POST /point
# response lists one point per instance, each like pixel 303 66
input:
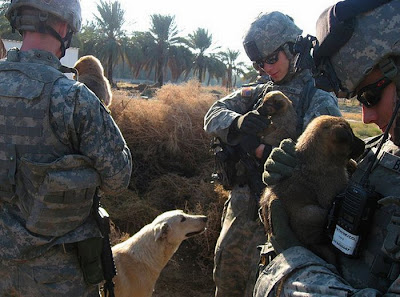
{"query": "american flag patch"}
pixel 246 92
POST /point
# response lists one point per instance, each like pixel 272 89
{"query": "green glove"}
pixel 282 236
pixel 280 163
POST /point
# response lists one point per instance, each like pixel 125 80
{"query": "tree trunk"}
pixel 110 69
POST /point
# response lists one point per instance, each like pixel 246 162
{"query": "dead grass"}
pixel 172 164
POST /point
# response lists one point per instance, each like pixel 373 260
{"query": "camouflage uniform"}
pixel 40 264
pixel 236 254
pixel 373 43
pixel 298 271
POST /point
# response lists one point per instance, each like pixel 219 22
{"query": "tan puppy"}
pixel 140 259
pixel 323 151
pixel 91 73
pixel 279 109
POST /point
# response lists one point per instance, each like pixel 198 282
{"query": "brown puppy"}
pixel 283 117
pixel 323 151
pixel 91 73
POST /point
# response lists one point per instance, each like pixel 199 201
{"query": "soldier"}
pixel 269 43
pixel 58 145
pixel 360 51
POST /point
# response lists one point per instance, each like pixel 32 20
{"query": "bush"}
pixel 172 162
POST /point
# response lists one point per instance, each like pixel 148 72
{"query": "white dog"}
pixel 140 259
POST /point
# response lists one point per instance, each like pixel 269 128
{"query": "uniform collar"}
pixel 34 56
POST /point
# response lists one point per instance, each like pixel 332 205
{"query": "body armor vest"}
pixel 375 269
pixel 52 187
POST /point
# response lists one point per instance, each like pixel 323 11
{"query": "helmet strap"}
pixel 63 41
pixel 288 50
pixel 388 68
pixel 396 129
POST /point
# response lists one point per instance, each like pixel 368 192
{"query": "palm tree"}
pixel 250 74
pixel 5 28
pixel 234 69
pixel 180 62
pixel 137 50
pixel 200 41
pixel 216 68
pixel 109 23
pixel 165 36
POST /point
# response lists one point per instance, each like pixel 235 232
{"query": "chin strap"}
pixel 65 42
pixel 396 130
pixel 391 71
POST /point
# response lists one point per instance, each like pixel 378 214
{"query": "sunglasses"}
pixel 371 94
pixel 270 59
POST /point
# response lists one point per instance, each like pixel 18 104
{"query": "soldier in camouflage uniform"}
pixel 269 44
pixel 58 146
pixel 366 65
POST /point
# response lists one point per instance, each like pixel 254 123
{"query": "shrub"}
pixel 172 162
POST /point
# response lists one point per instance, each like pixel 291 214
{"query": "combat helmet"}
pixel 352 45
pixel 267 33
pixel 37 13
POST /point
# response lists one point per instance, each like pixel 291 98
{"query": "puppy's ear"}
pixel 342 134
pixel 357 148
pixel 161 231
pixel 280 103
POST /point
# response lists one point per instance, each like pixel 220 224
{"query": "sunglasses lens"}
pixel 371 94
pixel 368 99
pixel 272 59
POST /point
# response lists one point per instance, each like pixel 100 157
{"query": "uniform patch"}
pixel 247 92
pixel 390 161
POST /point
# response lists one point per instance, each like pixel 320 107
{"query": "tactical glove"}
pixel 280 163
pixel 251 123
pixel 249 143
pixel 282 236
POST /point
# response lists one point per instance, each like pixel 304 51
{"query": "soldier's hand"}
pixel 252 123
pixel 280 163
pixel 282 236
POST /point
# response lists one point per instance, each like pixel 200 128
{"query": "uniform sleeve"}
pixel 223 112
pixel 322 103
pixel 93 133
pixel 299 272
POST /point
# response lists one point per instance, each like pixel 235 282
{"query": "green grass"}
pixel 362 130
pixel 351 111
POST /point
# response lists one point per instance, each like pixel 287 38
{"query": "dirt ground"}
pixel 184 278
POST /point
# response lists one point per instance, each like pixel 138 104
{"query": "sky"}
pixel 225 20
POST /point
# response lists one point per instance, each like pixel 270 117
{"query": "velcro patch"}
pixel 390 161
pixel 247 91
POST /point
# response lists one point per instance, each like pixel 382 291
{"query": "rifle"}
pixel 253 170
pixel 233 165
pixel 107 260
